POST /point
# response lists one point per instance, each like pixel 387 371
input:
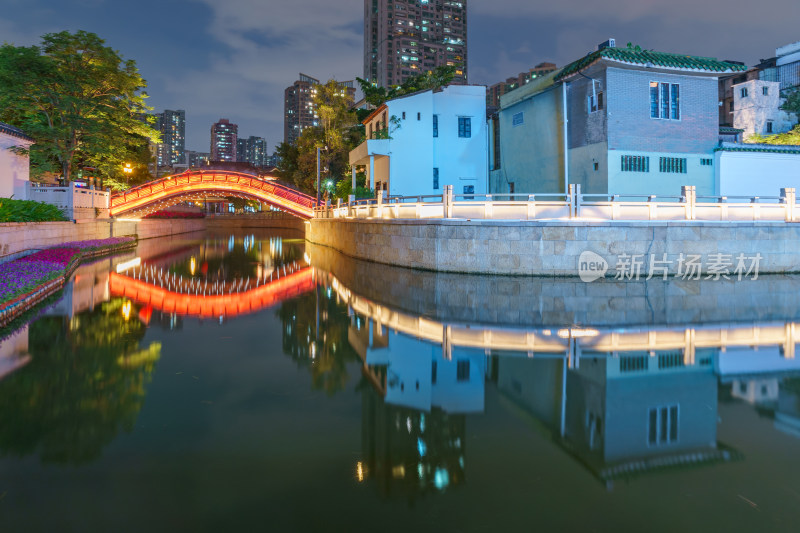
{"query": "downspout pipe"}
pixel 566 135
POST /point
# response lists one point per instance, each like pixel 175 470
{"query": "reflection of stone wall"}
pixel 255 221
pixel 534 301
pixel 552 248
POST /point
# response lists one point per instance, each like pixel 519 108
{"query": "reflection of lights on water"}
pixel 408 424
pixel 399 471
pixel 313 350
pixel 422 448
pixel 422 423
pixel 575 333
pixel 126 310
pixel 441 479
pixel 192 265
pixel 361 471
pixel 133 263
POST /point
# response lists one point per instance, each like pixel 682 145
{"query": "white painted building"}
pixel 14 167
pixel 757 109
pixel 756 169
pixel 418 143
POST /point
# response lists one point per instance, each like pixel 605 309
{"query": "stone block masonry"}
pixel 553 248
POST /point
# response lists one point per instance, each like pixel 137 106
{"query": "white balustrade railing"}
pixel 76 203
pixel 573 205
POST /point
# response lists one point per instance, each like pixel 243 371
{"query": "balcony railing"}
pixel 571 206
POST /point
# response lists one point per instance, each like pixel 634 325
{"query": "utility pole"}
pixel 318 178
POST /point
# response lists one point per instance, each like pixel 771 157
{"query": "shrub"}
pixel 28 211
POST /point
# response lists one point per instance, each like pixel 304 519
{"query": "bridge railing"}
pixel 220 181
pixel 572 205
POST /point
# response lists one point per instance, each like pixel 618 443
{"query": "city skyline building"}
pixel 224 135
pixel 299 110
pixel 172 126
pixel 252 150
pixel 404 38
pixel 494 92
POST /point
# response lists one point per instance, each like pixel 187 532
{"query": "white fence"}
pixel 572 206
pixel 77 203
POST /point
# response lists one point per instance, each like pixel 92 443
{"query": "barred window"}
pixel 436 178
pixel 662 425
pixel 674 165
pixel 635 163
pixel 707 162
pixel 518 119
pixel 464 127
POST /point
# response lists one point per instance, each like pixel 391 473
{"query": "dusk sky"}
pixel 234 58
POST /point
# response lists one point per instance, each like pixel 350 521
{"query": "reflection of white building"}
pixel 621 414
pixel 14 352
pixel 419 374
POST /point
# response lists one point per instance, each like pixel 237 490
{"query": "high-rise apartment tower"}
pixel 223 141
pixel 171 150
pixel 404 38
pixel 299 110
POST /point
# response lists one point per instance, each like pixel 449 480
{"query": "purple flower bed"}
pixel 23 275
pixel 98 243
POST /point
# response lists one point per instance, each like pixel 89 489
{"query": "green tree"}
pixel 433 79
pixel 79 100
pixel 791 104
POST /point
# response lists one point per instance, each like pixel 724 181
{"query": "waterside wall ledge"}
pixel 553 248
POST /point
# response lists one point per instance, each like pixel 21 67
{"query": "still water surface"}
pixel 246 381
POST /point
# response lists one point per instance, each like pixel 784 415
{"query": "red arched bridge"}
pixel 198 184
pixel 170 294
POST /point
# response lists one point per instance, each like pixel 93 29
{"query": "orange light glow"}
pixel 211 306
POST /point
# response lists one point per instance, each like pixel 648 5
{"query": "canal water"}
pixel 247 381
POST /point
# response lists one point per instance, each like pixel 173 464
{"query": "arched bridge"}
pixel 198 184
pixel 170 294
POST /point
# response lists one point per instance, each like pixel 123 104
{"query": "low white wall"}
pixel 756 173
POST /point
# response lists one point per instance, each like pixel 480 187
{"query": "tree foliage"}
pixel 338 132
pixel 79 100
pixel 434 79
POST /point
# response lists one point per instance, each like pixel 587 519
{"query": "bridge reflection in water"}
pixel 622 401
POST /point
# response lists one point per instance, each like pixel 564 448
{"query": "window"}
pixel 518 119
pixel 404 115
pixel 596 166
pixel 635 163
pixel 593 104
pixel 743 92
pixel 469 189
pixel 731 106
pixel 435 125
pixel 765 91
pixel 435 178
pixel 433 372
pixel 633 363
pixel 706 162
pixel 496 130
pixel 769 126
pixel 662 425
pixel 464 127
pixel 665 100
pixel 462 370
pixel 419 116
pixel 674 165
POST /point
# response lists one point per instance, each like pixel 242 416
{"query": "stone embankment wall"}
pixel 553 248
pixel 517 301
pixel 254 221
pixel 19 236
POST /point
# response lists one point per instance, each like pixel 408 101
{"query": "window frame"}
pixel 669 109
pixel 465 127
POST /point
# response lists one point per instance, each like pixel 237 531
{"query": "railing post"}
pixel 447 200
pixel 71 201
pixel 380 204
pixel 530 208
pixel 689 197
pixel 351 199
pixel 487 208
pixel 571 199
pixel 338 207
pixel 788 197
pixel 577 200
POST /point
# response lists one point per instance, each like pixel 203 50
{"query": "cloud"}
pixel 262 48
